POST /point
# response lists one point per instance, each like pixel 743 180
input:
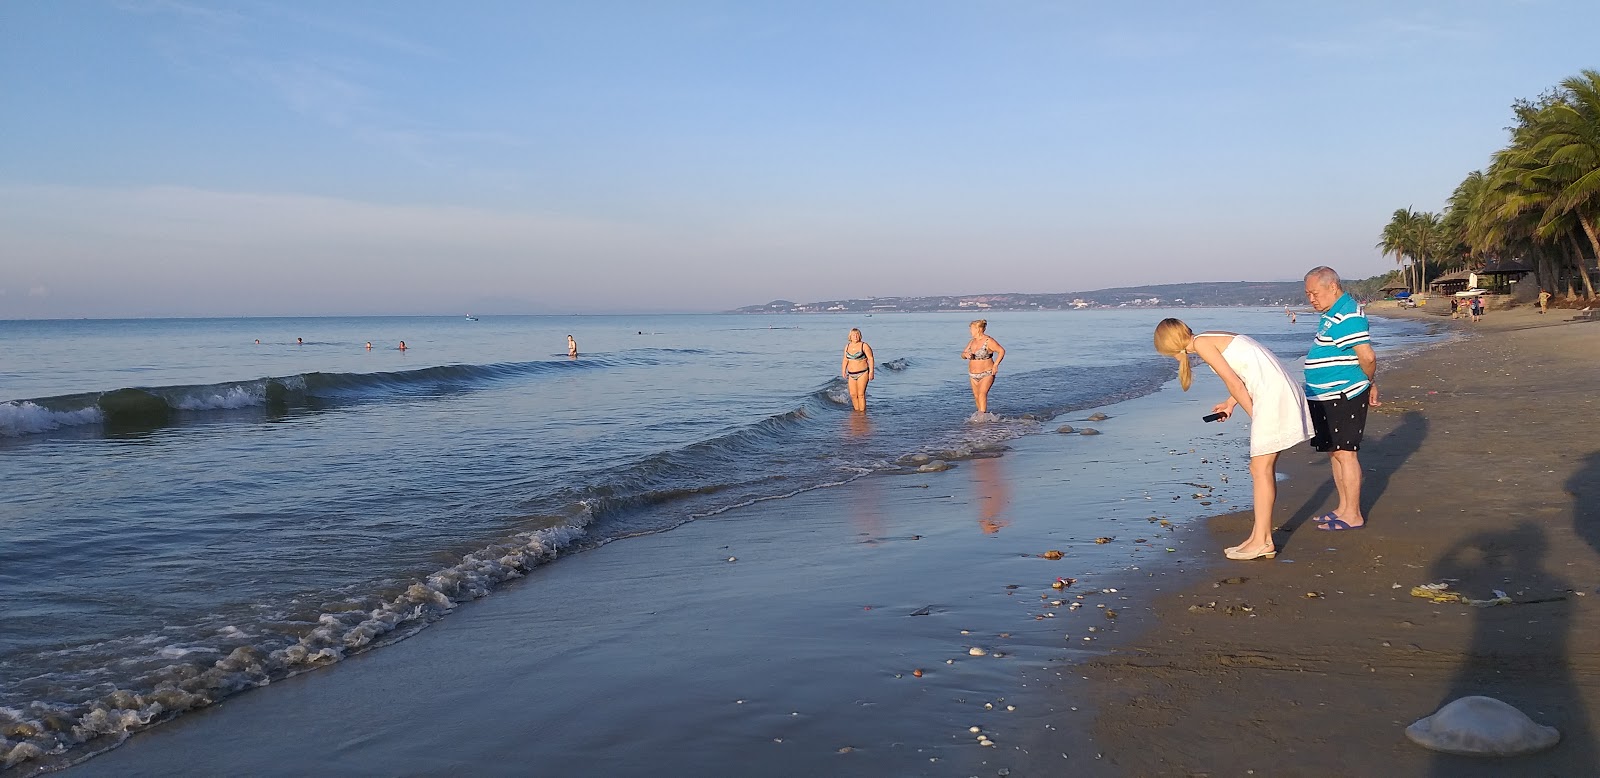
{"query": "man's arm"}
pixel 1369 365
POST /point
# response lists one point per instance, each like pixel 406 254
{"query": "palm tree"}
pixel 1392 241
pixel 1567 137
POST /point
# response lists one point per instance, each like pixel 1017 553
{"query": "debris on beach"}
pixel 1051 554
pixel 922 611
pixel 976 651
pixel 1441 593
pixel 1098 417
pixel 917 673
pixel 1238 579
pixel 1103 541
pixel 1062 583
pixel 1089 431
pixel 936 466
pixel 1481 726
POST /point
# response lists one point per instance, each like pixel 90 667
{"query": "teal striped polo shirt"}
pixel 1332 369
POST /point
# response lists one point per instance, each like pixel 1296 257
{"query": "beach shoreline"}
pixel 791 643
pixel 1479 473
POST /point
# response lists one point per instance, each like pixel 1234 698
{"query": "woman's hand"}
pixel 1225 408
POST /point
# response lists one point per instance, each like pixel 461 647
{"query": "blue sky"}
pixel 166 157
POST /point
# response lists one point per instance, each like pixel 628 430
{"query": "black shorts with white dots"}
pixel 1339 423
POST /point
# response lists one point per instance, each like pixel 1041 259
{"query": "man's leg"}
pixel 1347 479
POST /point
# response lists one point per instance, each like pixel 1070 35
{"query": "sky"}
pixel 242 158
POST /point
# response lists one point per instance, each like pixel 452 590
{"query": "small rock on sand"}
pixel 1065 429
pixel 936 466
pixel 1089 431
pixel 1098 417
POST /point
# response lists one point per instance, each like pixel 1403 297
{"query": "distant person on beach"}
pixel 1257 382
pixel 572 347
pixel 402 345
pixel 983 355
pixel 1340 372
pixel 858 368
pixel 1544 302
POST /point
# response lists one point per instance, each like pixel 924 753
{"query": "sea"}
pixel 196 507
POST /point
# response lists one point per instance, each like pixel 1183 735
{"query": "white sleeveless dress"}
pixel 1281 419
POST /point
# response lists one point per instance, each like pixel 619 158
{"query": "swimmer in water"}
pixel 983 355
pixel 857 369
pixel 402 345
pixel 299 341
pixel 572 347
pixel 258 341
pixel 369 345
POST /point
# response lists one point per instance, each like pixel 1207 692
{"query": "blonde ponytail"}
pixel 1172 339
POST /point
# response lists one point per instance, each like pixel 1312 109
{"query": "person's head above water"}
pixel 1322 288
pixel 1172 340
pixel 299 341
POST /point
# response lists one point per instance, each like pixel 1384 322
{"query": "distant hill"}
pixel 1207 295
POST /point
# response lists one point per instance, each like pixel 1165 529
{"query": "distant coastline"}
pixel 1197 295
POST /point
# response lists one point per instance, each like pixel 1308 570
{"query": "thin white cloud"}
pixel 1387 35
pixel 335 87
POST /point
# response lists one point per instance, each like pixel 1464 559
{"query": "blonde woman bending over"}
pixel 983 355
pixel 858 369
pixel 1256 381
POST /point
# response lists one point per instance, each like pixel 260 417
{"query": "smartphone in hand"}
pixel 1214 417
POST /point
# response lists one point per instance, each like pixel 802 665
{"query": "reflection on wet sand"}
pixel 994 494
pixel 865 509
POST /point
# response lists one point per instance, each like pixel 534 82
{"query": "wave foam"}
pixel 27 418
pixel 43 730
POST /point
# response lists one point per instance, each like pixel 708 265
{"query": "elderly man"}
pixel 1339 387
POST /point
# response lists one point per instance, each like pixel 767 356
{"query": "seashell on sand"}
pixel 1481 726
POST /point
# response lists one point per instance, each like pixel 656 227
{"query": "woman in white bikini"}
pixel 983 355
pixel 1257 382
pixel 857 367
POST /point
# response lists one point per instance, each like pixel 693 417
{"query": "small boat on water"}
pixel 470 317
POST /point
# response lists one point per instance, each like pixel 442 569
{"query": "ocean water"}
pixel 190 513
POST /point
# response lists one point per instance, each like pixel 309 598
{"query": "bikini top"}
pixel 855 355
pixel 982 354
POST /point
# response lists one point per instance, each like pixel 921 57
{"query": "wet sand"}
pixel 657 655
pixel 1482 469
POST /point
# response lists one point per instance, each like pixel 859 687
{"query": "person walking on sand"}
pixel 983 355
pixel 1257 382
pixel 572 348
pixel 858 368
pixel 1341 369
pixel 1544 300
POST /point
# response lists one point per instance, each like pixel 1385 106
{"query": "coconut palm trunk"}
pixel 1588 227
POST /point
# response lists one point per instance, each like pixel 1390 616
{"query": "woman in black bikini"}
pixel 983 355
pixel 857 369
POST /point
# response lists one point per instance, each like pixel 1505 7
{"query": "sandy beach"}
pixel 1481 471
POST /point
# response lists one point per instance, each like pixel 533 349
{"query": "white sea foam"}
pixel 236 396
pixel 26 418
pixel 45 729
